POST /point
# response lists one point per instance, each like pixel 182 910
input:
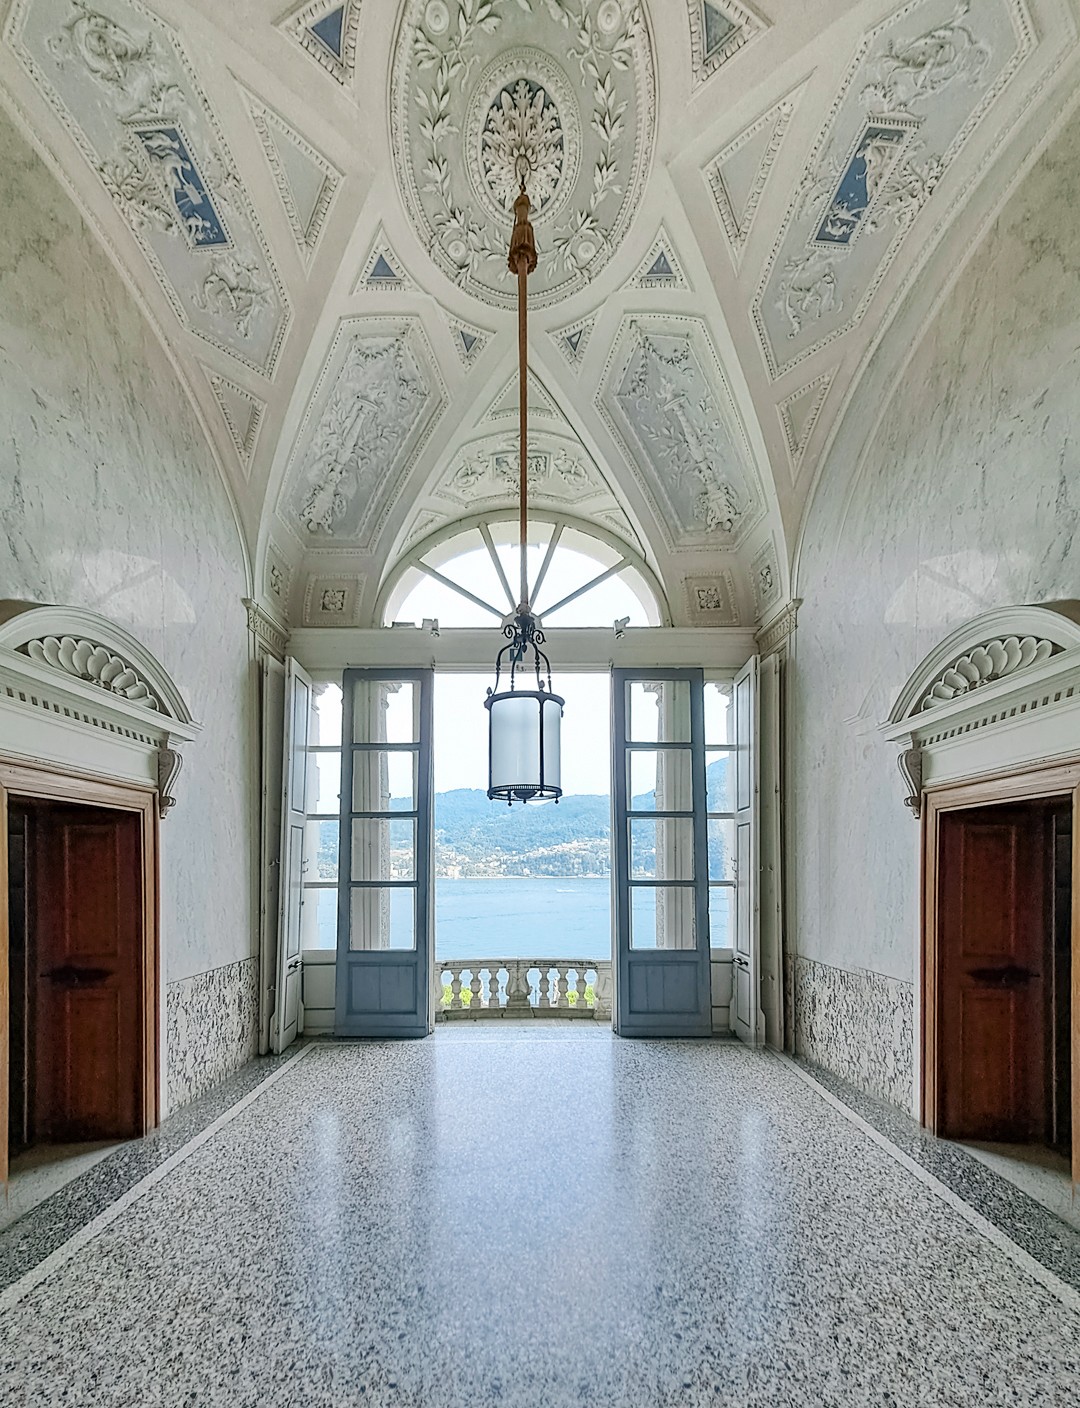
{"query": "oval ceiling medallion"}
pixel 483 89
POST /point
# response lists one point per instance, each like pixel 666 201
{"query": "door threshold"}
pixel 39 1172
pixel 1040 1172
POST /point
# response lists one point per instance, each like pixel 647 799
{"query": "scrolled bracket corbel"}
pixel 169 763
pixel 910 763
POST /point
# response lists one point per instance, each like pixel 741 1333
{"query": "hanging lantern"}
pixel 524 748
pixel 524 745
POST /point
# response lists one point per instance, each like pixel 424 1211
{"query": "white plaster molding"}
pixel 79 691
pixel 775 634
pixel 1055 623
pixel 1019 704
pixel 573 85
pixel 268 633
pixel 706 57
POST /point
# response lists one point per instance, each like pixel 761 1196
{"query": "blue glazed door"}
pixel 385 930
pixel 662 985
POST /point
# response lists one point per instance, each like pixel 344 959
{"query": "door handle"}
pixel 1008 975
pixel 69 976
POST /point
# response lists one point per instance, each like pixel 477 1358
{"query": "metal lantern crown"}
pixel 524 747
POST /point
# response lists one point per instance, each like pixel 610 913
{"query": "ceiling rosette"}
pixel 484 88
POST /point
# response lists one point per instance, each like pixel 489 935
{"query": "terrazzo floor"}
pixel 537 1219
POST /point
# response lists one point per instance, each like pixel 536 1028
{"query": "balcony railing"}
pixel 523 987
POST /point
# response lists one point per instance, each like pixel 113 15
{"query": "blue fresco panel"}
pixel 167 150
pixel 872 159
pixel 330 30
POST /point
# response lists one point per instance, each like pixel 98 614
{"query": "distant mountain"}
pixel 478 838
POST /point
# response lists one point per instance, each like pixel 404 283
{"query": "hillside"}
pixel 475 838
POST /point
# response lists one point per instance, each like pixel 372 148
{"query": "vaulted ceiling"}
pixel 730 203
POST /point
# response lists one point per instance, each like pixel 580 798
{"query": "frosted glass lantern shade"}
pixel 524 746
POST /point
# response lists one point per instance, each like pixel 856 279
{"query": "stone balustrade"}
pixel 523 987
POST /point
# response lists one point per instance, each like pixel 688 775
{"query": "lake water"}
pixel 531 917
pixel 523 918
pixel 512 918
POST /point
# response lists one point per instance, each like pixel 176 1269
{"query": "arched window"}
pixel 468 576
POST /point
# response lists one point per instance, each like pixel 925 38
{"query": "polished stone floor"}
pixel 534 1218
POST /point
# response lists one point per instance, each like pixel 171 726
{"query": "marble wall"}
pixel 211 1027
pixel 110 499
pixel 858 1024
pixel 967 498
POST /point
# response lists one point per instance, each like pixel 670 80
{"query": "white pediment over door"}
pixel 78 691
pixel 1001 692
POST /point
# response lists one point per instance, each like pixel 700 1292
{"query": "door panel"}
pixel 272 711
pixel 85 879
pixel 994 888
pixel 661 854
pixel 746 1019
pixel 285 1020
pixel 385 951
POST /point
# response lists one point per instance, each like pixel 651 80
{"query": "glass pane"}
pixel 322 847
pixel 324 784
pixel 661 781
pixel 719 780
pixel 662 917
pixel 386 711
pixel 721 850
pixel 301 699
pixel 662 850
pixel 320 918
pixel 383 850
pixel 326 714
pixel 384 781
pixel 721 907
pixel 658 711
pixel 718 713
pixel 382 918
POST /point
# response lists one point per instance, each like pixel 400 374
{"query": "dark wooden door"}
pixel 85 882
pixel 995 877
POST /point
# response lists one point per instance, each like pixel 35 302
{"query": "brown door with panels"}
pixel 85 890
pixel 995 898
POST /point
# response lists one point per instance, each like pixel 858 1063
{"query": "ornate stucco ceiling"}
pixel 731 203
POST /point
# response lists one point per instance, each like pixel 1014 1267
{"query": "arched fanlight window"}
pixel 577 576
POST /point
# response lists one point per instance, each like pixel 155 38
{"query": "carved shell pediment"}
pixel 992 660
pixel 87 660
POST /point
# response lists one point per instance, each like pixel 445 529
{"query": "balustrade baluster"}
pixel 455 990
pixel 562 985
pixel 517 986
pixel 579 988
pixel 474 988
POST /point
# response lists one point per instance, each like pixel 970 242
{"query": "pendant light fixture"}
pixel 524 762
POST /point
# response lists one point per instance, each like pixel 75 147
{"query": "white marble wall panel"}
pixel 968 498
pixel 210 1028
pixel 109 499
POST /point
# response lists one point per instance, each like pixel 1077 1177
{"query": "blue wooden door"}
pixel 385 930
pixel 661 854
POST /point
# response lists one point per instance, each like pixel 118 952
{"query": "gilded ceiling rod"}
pixel 522 261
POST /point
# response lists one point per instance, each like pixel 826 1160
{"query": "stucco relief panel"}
pixel 484 89
pixel 375 405
pixel 916 90
pixel 667 400
pixel 123 87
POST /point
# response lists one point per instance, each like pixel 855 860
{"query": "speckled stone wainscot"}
pixel 858 1024
pixel 212 1028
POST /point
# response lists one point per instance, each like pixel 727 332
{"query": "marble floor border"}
pixel 52 1223
pixel 1011 1213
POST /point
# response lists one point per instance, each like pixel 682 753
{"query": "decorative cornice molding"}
pixel 267 632
pixel 772 637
